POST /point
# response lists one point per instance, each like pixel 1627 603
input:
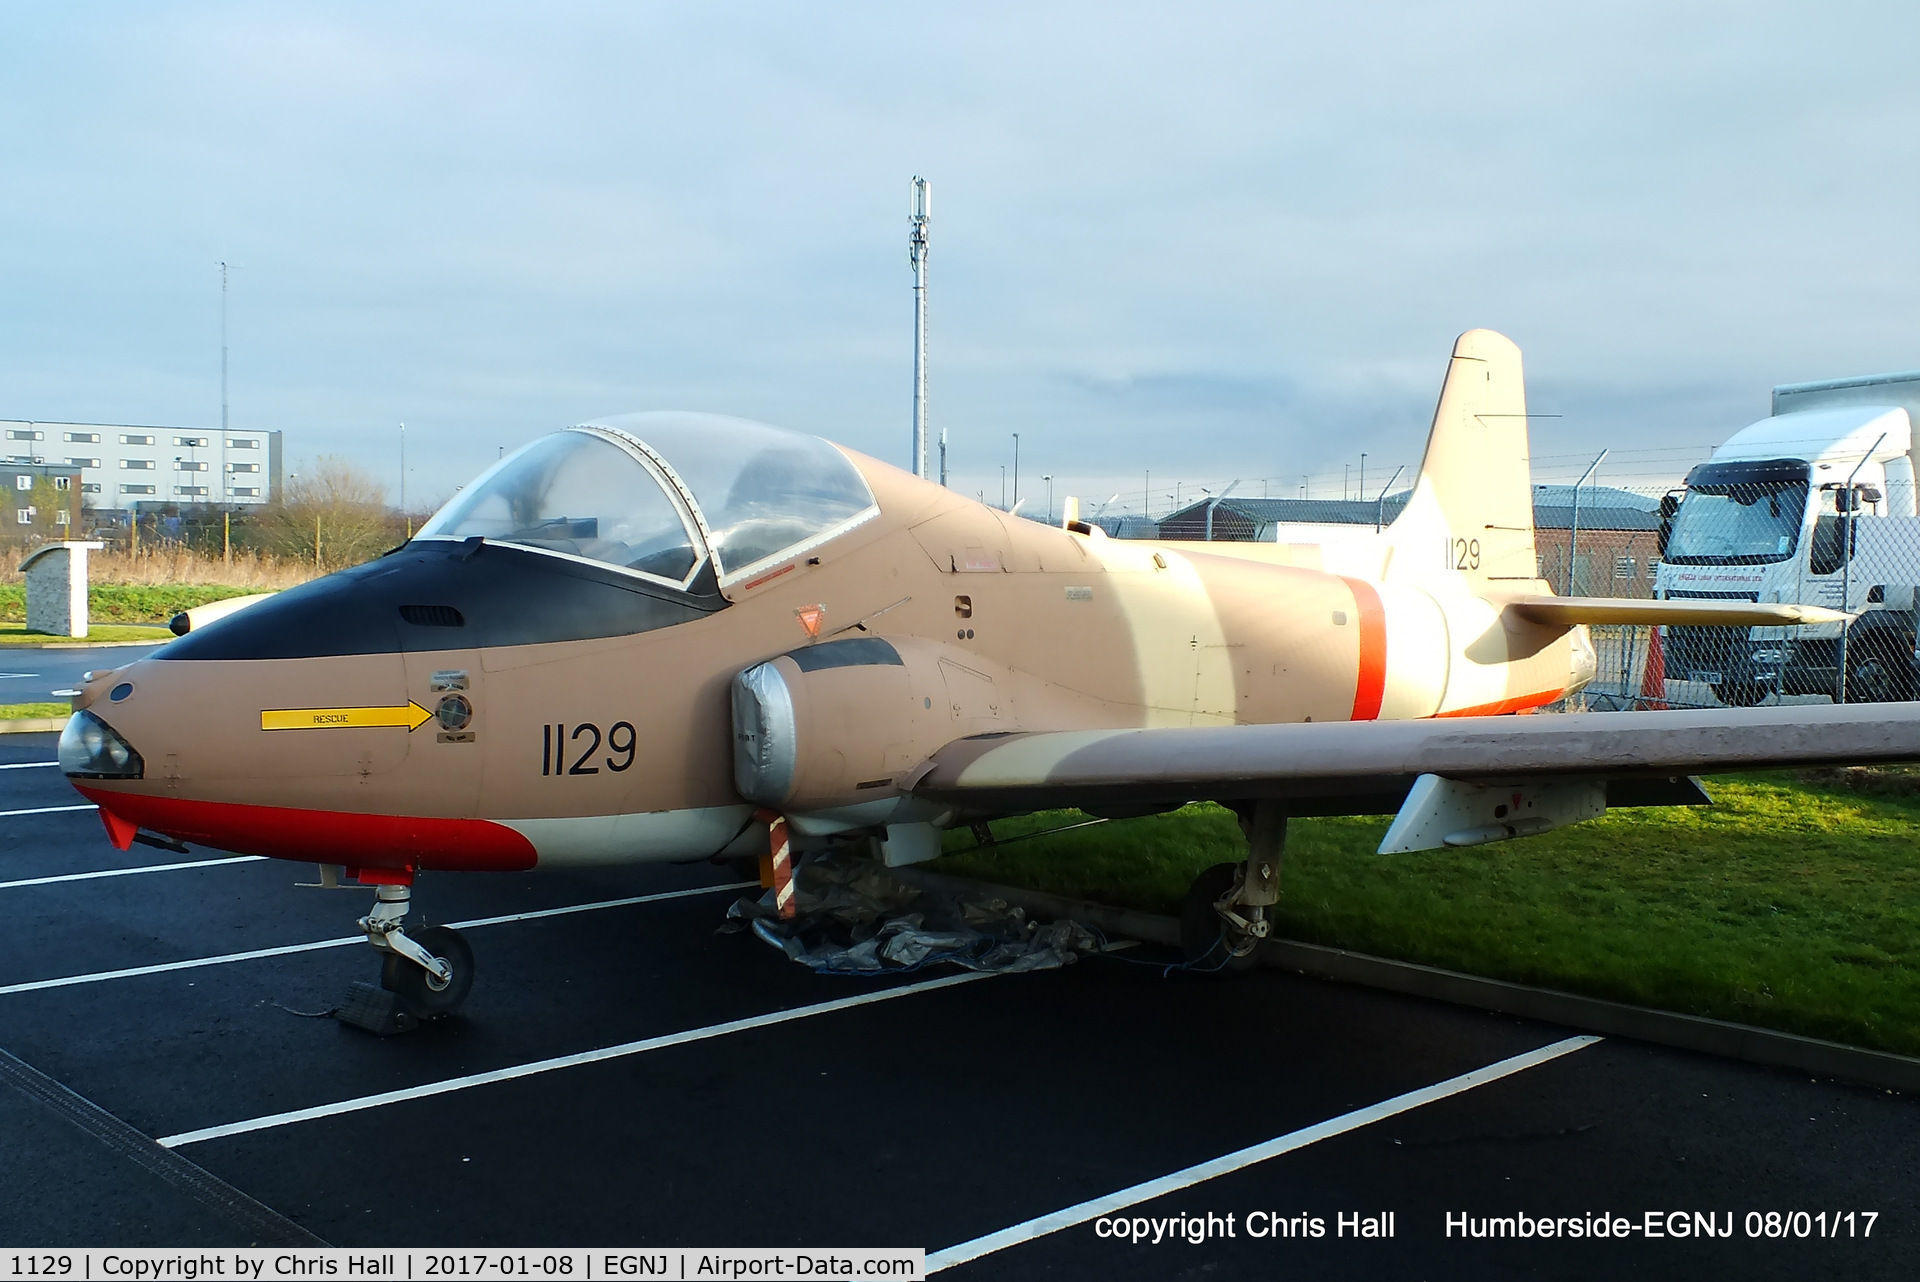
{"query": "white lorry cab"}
pixel 1814 504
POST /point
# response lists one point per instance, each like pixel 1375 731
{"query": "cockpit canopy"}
pixel 656 494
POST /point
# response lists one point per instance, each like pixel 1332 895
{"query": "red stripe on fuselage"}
pixel 1370 684
pixel 325 836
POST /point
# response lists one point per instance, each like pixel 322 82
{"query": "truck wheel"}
pixel 1741 694
pixel 1874 676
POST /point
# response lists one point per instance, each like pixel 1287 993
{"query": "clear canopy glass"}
pixel 763 491
pixel 578 493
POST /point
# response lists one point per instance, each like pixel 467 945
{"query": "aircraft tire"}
pixel 415 988
pixel 1202 933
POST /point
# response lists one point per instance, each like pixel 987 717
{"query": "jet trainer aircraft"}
pixel 668 636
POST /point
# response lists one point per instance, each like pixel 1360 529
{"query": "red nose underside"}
pixel 319 836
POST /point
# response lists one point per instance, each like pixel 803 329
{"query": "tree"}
pixel 330 511
pixel 54 511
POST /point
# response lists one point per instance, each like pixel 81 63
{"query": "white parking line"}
pixel 605 903
pixel 27 765
pixel 1287 1143
pixel 559 1062
pixel 129 872
pixel 46 810
pixel 194 963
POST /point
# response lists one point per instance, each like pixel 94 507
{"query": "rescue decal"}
pixel 1370 683
pixel 410 715
pixel 751 584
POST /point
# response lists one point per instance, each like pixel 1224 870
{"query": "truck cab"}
pixel 1781 513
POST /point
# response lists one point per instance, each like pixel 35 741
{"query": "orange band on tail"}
pixel 1370 683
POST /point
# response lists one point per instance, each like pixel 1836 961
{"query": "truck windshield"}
pixel 1746 523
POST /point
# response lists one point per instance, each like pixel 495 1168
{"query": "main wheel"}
pixel 1204 934
pixel 424 995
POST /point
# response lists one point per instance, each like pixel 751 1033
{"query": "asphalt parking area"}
pixel 31 674
pixel 814 1111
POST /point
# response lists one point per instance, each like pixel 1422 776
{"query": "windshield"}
pixel 763 491
pixel 579 493
pixel 1738 524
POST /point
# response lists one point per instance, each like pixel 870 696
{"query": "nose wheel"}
pixel 428 993
pixel 431 969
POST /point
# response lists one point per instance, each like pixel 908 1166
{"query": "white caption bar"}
pixel 261 1264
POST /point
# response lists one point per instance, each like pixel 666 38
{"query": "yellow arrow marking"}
pixel 411 715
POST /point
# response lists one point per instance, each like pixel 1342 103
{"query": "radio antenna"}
pixel 920 213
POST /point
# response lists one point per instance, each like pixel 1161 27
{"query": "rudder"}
pixel 1474 494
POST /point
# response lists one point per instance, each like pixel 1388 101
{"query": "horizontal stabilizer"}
pixel 1566 611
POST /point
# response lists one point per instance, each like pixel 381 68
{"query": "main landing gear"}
pixel 1227 914
pixel 430 970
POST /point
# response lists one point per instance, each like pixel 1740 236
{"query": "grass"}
pixel 128 602
pixel 175 563
pixel 1793 902
pixel 30 711
pixel 16 634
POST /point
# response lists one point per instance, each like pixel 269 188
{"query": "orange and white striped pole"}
pixel 1653 678
pixel 782 861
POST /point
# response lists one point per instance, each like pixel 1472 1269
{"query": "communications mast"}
pixel 920 214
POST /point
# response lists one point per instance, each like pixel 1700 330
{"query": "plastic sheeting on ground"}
pixel 853 917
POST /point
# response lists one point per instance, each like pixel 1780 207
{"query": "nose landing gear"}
pixel 431 970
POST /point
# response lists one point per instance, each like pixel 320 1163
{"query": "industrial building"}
pixel 38 494
pixel 130 468
pixel 1614 552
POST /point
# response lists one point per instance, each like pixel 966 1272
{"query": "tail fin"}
pixel 1472 503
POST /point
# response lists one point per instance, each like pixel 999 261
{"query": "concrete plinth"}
pixel 57 588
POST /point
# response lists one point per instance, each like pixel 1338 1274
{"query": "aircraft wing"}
pixel 1565 611
pixel 1368 767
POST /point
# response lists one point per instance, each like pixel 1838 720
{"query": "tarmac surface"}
pixel 31 674
pixel 919 1111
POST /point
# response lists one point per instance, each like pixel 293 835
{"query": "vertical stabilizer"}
pixel 1471 512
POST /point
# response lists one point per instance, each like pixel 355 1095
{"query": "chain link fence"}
pixel 1786 538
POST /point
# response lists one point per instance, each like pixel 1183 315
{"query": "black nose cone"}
pixel 443 595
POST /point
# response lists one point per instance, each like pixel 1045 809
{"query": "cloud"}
pixel 1210 241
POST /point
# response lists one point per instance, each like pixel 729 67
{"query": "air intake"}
pixel 433 616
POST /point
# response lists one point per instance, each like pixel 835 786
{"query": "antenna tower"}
pixel 919 214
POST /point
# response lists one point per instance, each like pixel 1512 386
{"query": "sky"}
pixel 1203 241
